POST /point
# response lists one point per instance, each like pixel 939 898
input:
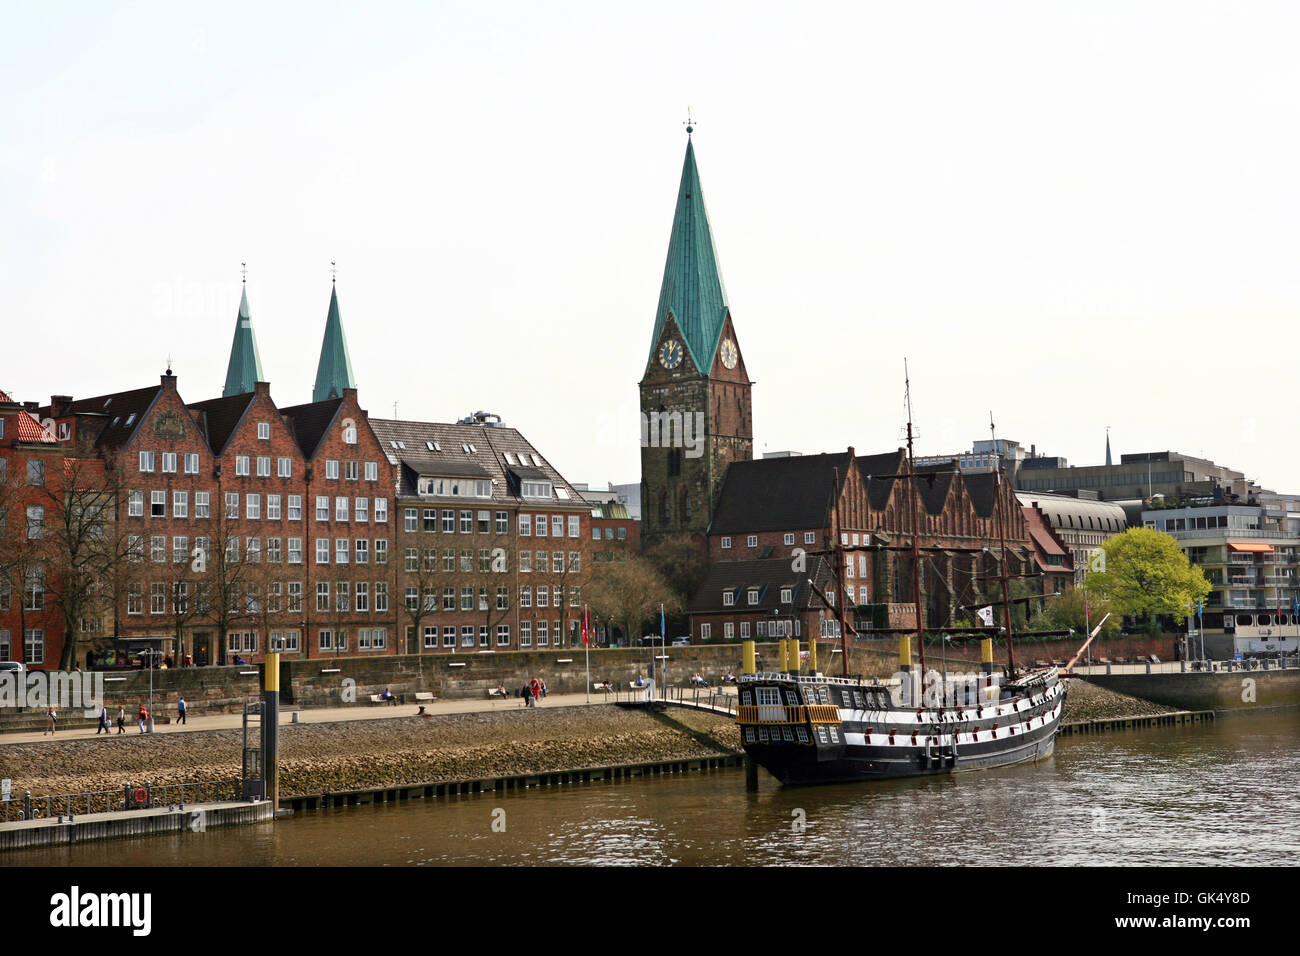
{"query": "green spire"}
pixel 335 370
pixel 1108 447
pixel 245 369
pixel 692 288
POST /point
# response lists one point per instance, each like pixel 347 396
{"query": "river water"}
pixel 1223 793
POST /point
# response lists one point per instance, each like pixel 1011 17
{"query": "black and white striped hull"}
pixel 878 744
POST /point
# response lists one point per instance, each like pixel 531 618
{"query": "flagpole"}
pixel 663 652
pixel 586 646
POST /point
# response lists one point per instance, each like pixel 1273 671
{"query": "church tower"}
pixel 696 406
pixel 334 373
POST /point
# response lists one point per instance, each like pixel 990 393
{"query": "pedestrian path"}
pixel 321 715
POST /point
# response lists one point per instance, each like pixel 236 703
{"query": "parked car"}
pixel 681 642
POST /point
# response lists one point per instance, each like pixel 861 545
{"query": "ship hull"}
pixel 841 744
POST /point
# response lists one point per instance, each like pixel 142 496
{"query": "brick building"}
pixel 779 509
pixel 493 545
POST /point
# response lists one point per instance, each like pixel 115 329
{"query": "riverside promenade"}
pixel 316 715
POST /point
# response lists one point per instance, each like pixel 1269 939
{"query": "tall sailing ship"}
pixel 807 729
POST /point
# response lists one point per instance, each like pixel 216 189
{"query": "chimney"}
pixel 262 388
pixel 168 380
pixel 59 404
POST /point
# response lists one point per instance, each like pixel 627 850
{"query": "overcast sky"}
pixel 1072 214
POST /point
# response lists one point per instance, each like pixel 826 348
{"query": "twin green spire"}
pixel 333 374
pixel 692 288
pixel 245 368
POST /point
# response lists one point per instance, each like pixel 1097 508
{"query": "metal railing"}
pixel 129 797
pixel 787 714
pixel 1189 667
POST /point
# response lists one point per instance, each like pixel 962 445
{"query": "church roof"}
pixel 778 494
pixel 245 368
pixel 334 373
pixel 692 288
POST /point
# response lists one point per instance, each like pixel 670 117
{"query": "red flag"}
pixel 584 626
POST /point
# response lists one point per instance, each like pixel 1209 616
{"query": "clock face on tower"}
pixel 670 354
pixel 729 354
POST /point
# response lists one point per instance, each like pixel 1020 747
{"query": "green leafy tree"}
pixel 1068 611
pixel 1147 574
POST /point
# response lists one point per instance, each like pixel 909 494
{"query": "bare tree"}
pixel 630 593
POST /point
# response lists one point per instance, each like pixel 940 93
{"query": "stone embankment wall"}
pixel 1236 690
pixel 348 755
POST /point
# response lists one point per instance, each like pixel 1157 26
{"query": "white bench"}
pixel 425 695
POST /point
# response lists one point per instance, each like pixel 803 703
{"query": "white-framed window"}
pixel 381 597
pixel 410 519
pixel 253 507
pixel 158 597
pixel 810 537
pixel 729 630
pixel 180 504
pixel 372 471
pixel 295 595
pixel 751 541
pixel 352 470
pixel 728 598
pixel 430 635
pixel 467 522
pixel 543 597
pixel 274 550
pixel 135 598
pixel 525 596
pixel 158 548
pixel 595 534
pixel 503 635
pixel 264 431
pixel 543 634
pixel 169 462
pixel 525 562
pixel 448 521
pixel 789 538
pixel 325 639
pixel 503 522
pixel 322 507
pixel 232 504
pixel 202 506
pixel 180 549
pixel 726 542
pixel 322 550
pixel 574 526
pixel 744 630
pixel 158 504
pixel 706 631
pixel 343 595
pixel 557 526
pixel 295 551
pixel 241 465
pixel 381 551
pixel 525 633
pixel 525 526
pixel 467 635
pixel 135 504
pixel 363 551
pixel 350 435
pixel 264 466
pixel 363 596
pixel 340 509
pixel 331 470
pixel 381 511
pixel 342 550
pixel 322 596
pixel 272 507
pixel 361 510
pixel 787 595
pixel 191 463
pixel 34 645
pixel 146 461
pixel 753 596
pixel 284 467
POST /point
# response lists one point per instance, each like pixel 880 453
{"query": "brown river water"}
pixel 1223 793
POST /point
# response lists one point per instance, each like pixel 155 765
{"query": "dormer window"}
pixel 510 459
pixel 753 596
pixel 130 420
pixel 437 447
pixel 429 445
pixel 464 447
pixel 535 489
pixel 787 595
pixel 728 598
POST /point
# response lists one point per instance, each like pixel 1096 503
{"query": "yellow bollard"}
pixel 780 655
pixel 748 665
pixel 986 654
pixel 271 672
pixel 812 655
pixel 905 652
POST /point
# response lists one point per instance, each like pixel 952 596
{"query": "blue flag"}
pixel 663 629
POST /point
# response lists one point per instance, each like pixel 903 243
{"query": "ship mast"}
pixel 1002 545
pixel 838 556
pixel 916 549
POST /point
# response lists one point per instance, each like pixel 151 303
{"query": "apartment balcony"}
pixel 1279 580
pixel 1244 580
pixel 1241 559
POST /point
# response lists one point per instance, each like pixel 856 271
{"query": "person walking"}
pixel 180 710
pixel 51 715
pixel 527 694
pixel 121 720
pixel 103 720
pixel 142 717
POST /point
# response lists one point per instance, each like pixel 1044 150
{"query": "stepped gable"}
pixel 311 422
pixel 220 417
